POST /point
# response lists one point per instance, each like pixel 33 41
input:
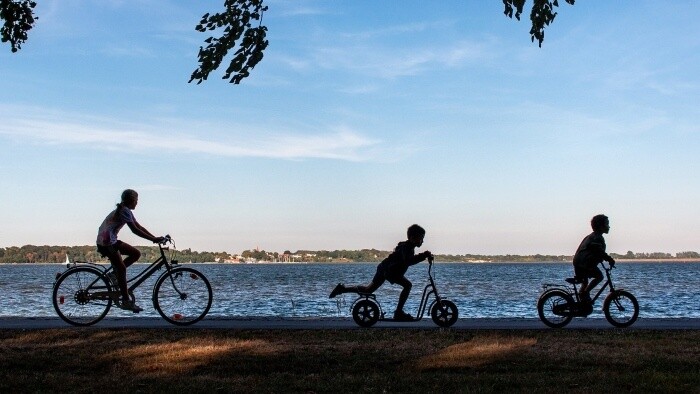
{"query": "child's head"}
pixel 416 234
pixel 600 224
pixel 130 198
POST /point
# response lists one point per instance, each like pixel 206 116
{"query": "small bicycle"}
pixel 84 293
pixel 366 310
pixel 559 304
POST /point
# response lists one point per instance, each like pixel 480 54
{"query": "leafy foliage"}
pixel 236 21
pixel 238 31
pixel 18 17
pixel 541 15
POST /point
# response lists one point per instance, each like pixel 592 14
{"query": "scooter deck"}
pixel 399 320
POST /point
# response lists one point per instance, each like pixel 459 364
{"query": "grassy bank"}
pixel 374 360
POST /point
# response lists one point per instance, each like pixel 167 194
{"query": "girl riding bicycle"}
pixel 110 247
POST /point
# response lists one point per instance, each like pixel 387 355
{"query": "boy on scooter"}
pixel 589 254
pixel 393 268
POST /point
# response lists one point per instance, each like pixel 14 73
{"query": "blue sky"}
pixel 363 118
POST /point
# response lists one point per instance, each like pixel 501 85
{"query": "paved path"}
pixel 263 323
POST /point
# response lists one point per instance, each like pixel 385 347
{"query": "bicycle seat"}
pixel 574 281
pixel 366 295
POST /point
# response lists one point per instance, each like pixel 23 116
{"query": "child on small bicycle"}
pixel 590 253
pixel 393 268
pixel 110 247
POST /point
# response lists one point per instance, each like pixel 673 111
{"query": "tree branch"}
pixel 236 21
pixel 18 17
pixel 541 15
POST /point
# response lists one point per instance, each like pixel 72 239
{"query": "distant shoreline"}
pixel 619 261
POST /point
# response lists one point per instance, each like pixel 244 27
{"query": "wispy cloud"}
pixel 337 143
pixel 387 63
pixel 294 8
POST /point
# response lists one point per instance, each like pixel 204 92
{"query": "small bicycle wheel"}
pixel 81 296
pixel 621 308
pixel 444 313
pixel 553 308
pixel 365 313
pixel 182 296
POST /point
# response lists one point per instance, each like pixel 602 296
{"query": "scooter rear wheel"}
pixel 444 313
pixel 365 313
pixel 554 308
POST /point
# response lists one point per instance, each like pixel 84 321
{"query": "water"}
pixel 301 290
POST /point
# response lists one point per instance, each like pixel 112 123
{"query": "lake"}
pixel 493 290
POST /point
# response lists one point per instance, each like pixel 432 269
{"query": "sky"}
pixel 363 118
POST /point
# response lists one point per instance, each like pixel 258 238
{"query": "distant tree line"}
pixel 57 254
pixel 656 255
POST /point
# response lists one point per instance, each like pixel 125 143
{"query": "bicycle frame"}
pixel 607 283
pixel 137 280
pixel 150 270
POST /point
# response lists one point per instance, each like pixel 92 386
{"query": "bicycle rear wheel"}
pixel 621 308
pixel 81 296
pixel 182 296
pixel 554 307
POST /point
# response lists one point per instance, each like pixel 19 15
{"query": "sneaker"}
pixel 131 306
pixel 402 316
pixel 339 289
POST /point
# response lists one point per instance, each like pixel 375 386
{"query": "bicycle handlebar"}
pixel 166 239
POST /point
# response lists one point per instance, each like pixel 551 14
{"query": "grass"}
pixel 372 360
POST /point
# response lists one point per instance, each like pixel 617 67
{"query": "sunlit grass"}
pixel 476 352
pixel 373 360
pixel 186 355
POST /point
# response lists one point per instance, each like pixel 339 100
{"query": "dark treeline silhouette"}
pixel 57 254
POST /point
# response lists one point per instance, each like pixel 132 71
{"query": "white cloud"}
pixel 338 143
pixel 392 63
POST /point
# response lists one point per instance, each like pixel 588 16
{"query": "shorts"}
pixel 587 272
pixel 107 250
pixel 382 275
pixel 379 276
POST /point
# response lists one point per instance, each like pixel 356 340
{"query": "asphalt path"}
pixel 267 323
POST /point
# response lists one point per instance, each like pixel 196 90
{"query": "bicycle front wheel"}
pixel 82 296
pixel 621 308
pixel 182 296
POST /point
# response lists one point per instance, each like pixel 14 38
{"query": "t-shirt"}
pixel 591 251
pixel 403 256
pixel 107 234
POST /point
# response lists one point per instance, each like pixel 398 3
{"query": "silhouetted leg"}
pixel 370 288
pixel 597 277
pixel 132 254
pixel 120 271
pixel 406 284
pixel 583 292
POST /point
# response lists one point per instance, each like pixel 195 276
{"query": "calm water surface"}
pixel 301 290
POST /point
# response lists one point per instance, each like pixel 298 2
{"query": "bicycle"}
pixel 559 304
pixel 366 310
pixel 84 293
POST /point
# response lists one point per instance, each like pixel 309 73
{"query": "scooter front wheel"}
pixel 554 308
pixel 444 313
pixel 365 313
